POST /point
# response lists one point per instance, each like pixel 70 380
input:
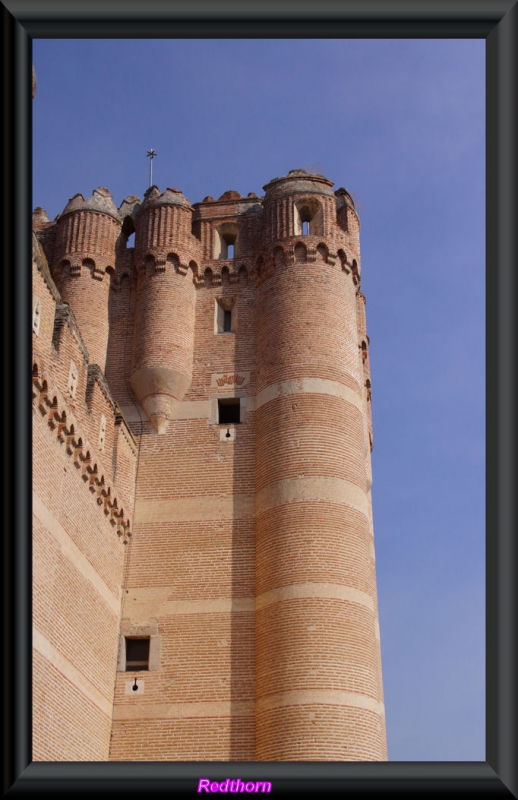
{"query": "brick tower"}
pixel 319 691
pixel 163 350
pixel 220 419
pixel 86 236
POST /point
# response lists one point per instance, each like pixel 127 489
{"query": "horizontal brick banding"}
pixel 164 711
pixel 313 518
pixel 310 589
pixel 309 386
pixel 202 507
pixel 335 697
pixel 152 605
pixel 311 489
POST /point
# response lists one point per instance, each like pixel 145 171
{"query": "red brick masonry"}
pixel 242 551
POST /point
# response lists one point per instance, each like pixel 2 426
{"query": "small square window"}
pixel 229 411
pixel 137 654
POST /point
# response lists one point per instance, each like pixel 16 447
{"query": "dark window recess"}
pixel 229 411
pixel 227 321
pixel 137 654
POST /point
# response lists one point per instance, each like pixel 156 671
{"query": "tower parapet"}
pixel 299 204
pixel 167 256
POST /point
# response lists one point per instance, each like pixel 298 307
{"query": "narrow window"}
pixel 137 654
pixel 229 411
pixel 72 380
pixel 230 250
pixel 305 228
pixel 36 317
pixel 102 433
pixel 225 316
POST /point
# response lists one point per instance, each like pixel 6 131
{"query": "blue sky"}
pixel 400 124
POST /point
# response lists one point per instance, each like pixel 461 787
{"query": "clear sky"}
pixel 400 124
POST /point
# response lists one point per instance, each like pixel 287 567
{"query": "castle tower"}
pixel 318 675
pixel 166 256
pixel 86 237
pixel 246 620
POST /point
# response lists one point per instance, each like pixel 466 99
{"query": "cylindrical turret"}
pixel 86 237
pixel 319 690
pixel 166 255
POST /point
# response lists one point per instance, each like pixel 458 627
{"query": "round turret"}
pixel 86 238
pixel 166 257
pixel 319 692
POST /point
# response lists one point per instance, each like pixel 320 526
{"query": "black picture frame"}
pixel 497 22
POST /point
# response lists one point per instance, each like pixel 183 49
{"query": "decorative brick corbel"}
pixel 71 443
pixel 123 529
pixel 289 253
pixel 160 262
pixel 311 255
pixel 41 398
pixel 57 421
pixel 75 267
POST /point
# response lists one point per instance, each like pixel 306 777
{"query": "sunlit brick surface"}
pixel 243 551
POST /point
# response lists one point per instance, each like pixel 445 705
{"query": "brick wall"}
pixel 78 543
pixel 250 566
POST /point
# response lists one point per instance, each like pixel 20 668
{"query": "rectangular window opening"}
pixel 225 319
pixel 137 654
pixel 230 250
pixel 229 411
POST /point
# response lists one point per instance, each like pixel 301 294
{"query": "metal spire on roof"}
pixel 151 154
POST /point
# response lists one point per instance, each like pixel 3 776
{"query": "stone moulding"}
pixel 45 400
